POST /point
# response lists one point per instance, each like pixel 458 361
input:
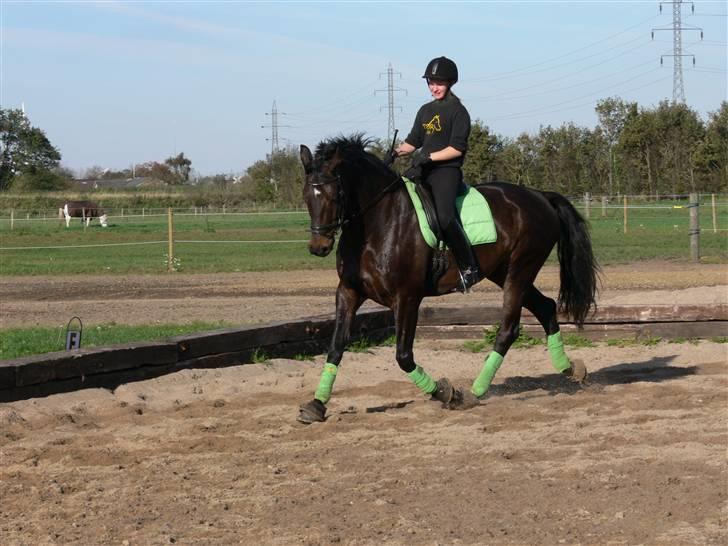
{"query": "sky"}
pixel 119 83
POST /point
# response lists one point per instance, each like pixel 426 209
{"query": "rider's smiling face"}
pixel 438 88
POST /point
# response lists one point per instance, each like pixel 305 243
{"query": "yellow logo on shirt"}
pixel 433 126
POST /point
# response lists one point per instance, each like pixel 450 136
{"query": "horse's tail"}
pixel 61 215
pixel 579 268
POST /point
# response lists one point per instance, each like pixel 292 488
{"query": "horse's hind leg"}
pixel 348 302
pixel 513 293
pixel 544 309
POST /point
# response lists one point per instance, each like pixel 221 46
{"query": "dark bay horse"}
pixel 85 210
pixel 382 256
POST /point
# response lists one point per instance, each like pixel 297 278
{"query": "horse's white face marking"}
pixel 104 220
pixel 316 192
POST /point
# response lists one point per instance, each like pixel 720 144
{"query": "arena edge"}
pixel 109 367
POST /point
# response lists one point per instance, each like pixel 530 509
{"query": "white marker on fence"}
pixel 715 222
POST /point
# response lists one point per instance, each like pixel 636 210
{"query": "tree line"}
pixel 665 149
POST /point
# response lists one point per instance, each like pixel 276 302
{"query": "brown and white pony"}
pixel 85 210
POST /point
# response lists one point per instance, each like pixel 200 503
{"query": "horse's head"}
pixel 104 220
pixel 322 192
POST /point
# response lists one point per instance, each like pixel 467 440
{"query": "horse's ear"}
pixel 306 159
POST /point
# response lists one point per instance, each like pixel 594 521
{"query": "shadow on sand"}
pixel 654 370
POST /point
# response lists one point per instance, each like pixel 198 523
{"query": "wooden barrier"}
pixel 109 367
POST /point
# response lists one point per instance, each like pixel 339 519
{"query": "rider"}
pixel 441 131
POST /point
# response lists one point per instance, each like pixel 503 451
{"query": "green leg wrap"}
pixel 485 377
pixel 326 383
pixel 422 380
pixel 556 352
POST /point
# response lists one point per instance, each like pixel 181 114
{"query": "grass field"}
pixel 17 342
pixel 207 243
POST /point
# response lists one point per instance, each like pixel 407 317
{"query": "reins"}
pixel 342 221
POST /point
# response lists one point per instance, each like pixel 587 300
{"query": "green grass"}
pixel 259 357
pixel 17 342
pixel 223 242
pixel 220 243
pixel 649 341
pixel 486 343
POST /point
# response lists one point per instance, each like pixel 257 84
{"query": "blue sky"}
pixel 113 83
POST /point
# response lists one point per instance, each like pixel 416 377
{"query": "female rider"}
pixel 440 132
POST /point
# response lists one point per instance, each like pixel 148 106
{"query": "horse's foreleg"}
pixel 544 309
pixel 348 302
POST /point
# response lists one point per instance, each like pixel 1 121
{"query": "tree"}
pixel 279 178
pixel 711 154
pixel 24 149
pixel 613 114
pixel 180 167
pixel 483 148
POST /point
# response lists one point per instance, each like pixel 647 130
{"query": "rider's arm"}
pixel 405 148
pixel 446 154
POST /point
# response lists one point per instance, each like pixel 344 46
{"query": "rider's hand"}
pixel 420 159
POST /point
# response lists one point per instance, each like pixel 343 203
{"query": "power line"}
pixel 513 73
pixel 678 85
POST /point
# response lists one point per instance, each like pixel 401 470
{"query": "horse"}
pixel 383 257
pixel 85 210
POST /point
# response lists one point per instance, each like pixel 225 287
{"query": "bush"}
pixel 39 181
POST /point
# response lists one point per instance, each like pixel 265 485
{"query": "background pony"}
pixel 85 210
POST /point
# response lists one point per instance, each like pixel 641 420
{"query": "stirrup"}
pixel 468 278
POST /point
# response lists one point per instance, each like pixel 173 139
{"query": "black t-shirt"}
pixel 439 124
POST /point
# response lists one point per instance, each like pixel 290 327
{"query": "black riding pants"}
pixel 444 184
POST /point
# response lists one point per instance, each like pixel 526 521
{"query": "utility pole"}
pixel 274 125
pixel 390 98
pixel 678 86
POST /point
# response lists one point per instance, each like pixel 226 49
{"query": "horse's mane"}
pixel 352 150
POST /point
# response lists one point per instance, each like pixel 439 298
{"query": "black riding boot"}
pixel 464 255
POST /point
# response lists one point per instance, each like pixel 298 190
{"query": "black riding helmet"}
pixel 442 68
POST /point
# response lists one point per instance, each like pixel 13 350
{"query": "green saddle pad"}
pixel 474 214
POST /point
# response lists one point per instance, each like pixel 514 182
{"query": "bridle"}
pixel 332 228
pixel 342 220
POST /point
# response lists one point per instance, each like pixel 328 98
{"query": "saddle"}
pixel 428 205
pixel 440 263
pixel 474 213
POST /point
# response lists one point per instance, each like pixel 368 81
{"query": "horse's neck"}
pixel 380 208
pixel 370 191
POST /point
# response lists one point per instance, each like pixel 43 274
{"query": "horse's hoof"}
pixel 577 373
pixel 463 400
pixel 312 412
pixel 444 392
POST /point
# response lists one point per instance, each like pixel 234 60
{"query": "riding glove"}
pixel 419 161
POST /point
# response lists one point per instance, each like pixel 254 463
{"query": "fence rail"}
pixel 653 227
pixel 610 202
